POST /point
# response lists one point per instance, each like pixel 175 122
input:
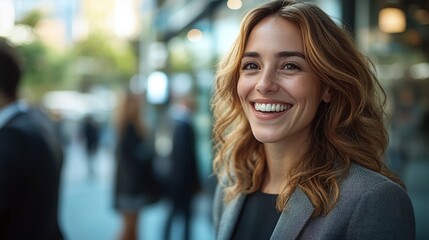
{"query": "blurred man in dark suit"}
pixel 30 161
pixel 182 182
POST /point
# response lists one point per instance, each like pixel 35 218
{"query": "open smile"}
pixel 271 107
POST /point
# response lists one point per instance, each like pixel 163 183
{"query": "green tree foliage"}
pixel 44 69
pixel 32 18
pixel 97 59
pixel 110 61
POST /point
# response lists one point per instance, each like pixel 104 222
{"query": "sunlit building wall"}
pixel 118 18
pixel 66 21
pixel 56 26
pixel 7 17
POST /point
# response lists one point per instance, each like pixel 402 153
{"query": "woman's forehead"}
pixel 274 33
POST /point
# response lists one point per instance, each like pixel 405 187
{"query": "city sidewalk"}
pixel 86 211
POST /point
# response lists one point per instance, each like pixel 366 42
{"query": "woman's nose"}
pixel 267 83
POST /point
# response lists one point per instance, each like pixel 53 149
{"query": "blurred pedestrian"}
pixel 134 176
pixel 90 132
pixel 182 181
pixel 30 161
pixel 300 136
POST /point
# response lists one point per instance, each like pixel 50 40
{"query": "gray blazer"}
pixel 370 207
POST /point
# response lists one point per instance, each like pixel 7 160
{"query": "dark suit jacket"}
pixel 30 165
pixel 183 181
pixel 370 207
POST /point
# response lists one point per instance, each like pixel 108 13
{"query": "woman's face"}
pixel 278 92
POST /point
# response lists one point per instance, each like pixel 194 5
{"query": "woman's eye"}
pixel 250 66
pixel 291 66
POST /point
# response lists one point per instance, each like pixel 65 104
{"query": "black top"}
pixel 133 170
pixel 258 217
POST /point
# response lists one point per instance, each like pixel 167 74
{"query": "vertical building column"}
pixel 363 24
pixel 147 35
pixel 348 15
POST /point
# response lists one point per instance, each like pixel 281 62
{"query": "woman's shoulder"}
pixel 361 178
pixel 363 183
pixel 375 203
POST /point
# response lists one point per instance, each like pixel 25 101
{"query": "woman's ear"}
pixel 327 95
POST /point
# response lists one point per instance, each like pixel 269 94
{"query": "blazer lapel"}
pixel 298 211
pixel 230 217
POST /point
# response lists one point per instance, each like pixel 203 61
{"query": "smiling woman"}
pixel 278 75
pixel 299 121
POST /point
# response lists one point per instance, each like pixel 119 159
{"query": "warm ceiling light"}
pixel 391 20
pixel 234 4
pixel 195 35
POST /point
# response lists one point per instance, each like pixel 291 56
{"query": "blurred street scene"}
pixel 86 208
pixel 80 57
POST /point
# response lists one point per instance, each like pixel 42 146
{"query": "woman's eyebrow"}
pixel 290 54
pixel 281 54
pixel 251 54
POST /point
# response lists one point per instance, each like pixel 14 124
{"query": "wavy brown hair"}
pixel 349 129
pixel 129 112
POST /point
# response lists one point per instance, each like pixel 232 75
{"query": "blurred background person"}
pixel 134 169
pixel 90 132
pixel 30 161
pixel 182 181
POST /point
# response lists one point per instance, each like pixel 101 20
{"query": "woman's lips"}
pixel 269 111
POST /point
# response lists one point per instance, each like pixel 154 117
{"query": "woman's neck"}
pixel 280 158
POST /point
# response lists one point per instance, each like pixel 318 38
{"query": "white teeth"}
pixel 271 107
